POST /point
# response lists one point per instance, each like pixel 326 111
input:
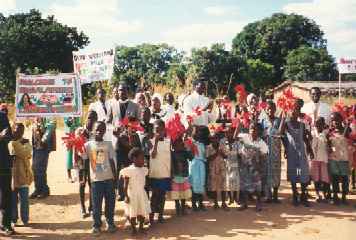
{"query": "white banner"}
pixel 346 65
pixel 93 67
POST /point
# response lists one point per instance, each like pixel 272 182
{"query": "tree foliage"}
pixel 272 38
pixel 146 63
pixel 217 66
pixel 28 41
pixel 307 64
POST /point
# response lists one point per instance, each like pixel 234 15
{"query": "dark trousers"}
pixel 103 190
pixel 5 198
pixel 39 168
pixel 344 184
pixel 158 200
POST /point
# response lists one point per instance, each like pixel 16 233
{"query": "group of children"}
pixel 235 164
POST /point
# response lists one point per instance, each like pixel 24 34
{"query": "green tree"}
pixel 272 38
pixel 310 64
pixel 146 63
pixel 28 41
pixel 217 66
pixel 258 75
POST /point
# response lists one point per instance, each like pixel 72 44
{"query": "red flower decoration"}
pixel 174 127
pixel 287 101
pixel 241 91
pixel 262 106
pixel 74 142
pixel 129 124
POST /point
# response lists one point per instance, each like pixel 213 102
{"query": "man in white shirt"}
pixel 198 100
pixel 101 106
pixel 315 108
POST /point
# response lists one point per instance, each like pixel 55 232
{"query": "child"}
pixel 160 170
pixel 319 165
pixel 339 159
pixel 70 125
pixel 271 134
pixel 197 168
pixel 21 150
pixel 83 166
pixel 296 146
pixel 252 151
pixel 100 155
pixel 217 171
pixel 134 187
pixel 232 166
pixel 180 168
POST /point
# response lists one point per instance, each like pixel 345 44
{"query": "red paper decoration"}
pixel 174 127
pixel 133 125
pixel 241 91
pixel 74 142
pixel 287 101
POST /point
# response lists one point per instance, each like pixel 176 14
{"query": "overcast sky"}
pixel 189 23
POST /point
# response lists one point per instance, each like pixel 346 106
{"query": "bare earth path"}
pixel 58 217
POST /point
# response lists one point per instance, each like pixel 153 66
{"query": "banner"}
pixel 94 67
pixel 346 65
pixel 48 95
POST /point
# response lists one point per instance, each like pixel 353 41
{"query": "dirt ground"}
pixel 58 217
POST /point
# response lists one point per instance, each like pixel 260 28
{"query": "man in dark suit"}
pixel 5 175
pixel 121 106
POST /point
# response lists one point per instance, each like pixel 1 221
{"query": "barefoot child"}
pixel 83 166
pixel 180 191
pixel 297 146
pixel 232 166
pixel 100 155
pixel 21 150
pixel 197 168
pixel 319 165
pixel 271 135
pixel 217 171
pixel 137 204
pixel 71 123
pixel 252 151
pixel 160 170
pixel 339 159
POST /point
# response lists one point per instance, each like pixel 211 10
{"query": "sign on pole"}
pixel 93 67
pixel 346 65
pixel 48 95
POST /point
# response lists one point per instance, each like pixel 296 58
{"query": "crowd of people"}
pixel 144 151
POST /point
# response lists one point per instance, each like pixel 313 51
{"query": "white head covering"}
pixel 249 98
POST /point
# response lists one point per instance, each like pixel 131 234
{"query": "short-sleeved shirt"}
pixel 99 155
pixel 160 166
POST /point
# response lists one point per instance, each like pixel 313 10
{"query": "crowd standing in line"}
pixel 150 149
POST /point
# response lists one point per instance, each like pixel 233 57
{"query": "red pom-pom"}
pixel 287 101
pixel 174 127
pixel 241 91
pixel 133 125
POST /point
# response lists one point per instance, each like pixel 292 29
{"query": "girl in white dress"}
pixel 137 204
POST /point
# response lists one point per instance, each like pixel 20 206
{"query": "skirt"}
pixel 339 168
pixel 319 171
pixel 180 189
